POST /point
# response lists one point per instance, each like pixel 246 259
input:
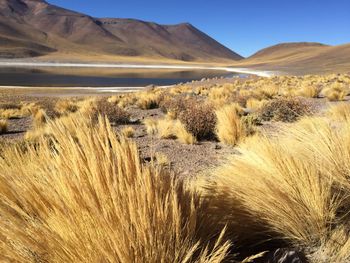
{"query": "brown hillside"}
pixel 302 58
pixel 39 23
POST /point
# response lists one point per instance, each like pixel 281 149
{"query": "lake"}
pixel 101 77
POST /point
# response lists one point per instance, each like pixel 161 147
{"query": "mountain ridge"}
pixel 70 31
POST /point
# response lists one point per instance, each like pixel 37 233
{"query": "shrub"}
pixel 87 198
pixel 3 126
pixel 199 120
pixel 284 109
pixel 113 112
pixel 174 105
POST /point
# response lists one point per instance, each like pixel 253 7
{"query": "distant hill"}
pixel 302 58
pixel 34 28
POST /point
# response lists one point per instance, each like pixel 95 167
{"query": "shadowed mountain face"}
pixel 34 27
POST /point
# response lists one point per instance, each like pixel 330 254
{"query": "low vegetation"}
pixel 76 189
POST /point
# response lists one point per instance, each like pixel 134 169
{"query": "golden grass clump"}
pixel 169 129
pixel 85 197
pixel 128 132
pixel 229 127
pixel 295 186
pixel 40 118
pixel 66 106
pixel 151 126
pixel 3 126
pixel 147 101
pixel 335 92
pixel 182 135
pixel 309 91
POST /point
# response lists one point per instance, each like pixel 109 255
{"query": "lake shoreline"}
pixel 260 73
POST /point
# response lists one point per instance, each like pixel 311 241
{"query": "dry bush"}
pixel 284 109
pixel 174 105
pixel 229 127
pixel 3 126
pixel 294 187
pixel 128 132
pixel 87 198
pixel 113 112
pixel 66 106
pixel 199 120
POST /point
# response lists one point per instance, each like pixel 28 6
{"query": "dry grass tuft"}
pixel 128 132
pixel 85 197
pixel 309 91
pixel 66 106
pixel 295 186
pixel 40 118
pixel 335 92
pixel 340 112
pixel 182 135
pixel 3 126
pixel 229 128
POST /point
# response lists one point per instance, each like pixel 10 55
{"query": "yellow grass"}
pixel 3 126
pixel 182 135
pixel 340 112
pixel 309 92
pixel 335 92
pixel 229 128
pixel 128 132
pixel 39 118
pixel 85 197
pixel 65 106
pixel 294 186
pixel 151 126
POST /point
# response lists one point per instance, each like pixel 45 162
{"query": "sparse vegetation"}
pixel 77 190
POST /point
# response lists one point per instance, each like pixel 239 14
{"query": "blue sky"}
pixel 245 26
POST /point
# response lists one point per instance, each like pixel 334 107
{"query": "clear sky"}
pixel 245 26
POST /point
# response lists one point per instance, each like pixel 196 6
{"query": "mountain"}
pixel 35 28
pixel 301 58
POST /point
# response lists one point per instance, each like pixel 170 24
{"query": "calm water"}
pixel 70 77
